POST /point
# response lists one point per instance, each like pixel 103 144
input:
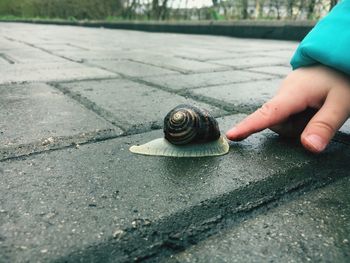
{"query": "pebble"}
pixel 119 233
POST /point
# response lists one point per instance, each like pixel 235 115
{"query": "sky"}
pixel 190 3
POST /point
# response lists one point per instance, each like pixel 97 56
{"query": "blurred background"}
pixel 178 10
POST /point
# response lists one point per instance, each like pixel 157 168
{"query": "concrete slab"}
pixel 96 52
pixel 6 44
pixel 312 228
pixel 39 116
pixel 57 47
pixel 180 64
pixel 197 53
pixel 32 55
pixel 250 61
pixel 199 80
pixel 50 71
pixel 99 202
pixel 281 71
pixel 131 68
pixel 243 45
pixel 5 60
pixel 239 96
pixel 344 133
pixel 287 54
pixel 85 55
pixel 134 106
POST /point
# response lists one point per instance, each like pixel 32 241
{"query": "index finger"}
pixel 271 113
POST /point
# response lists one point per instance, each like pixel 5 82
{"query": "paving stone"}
pixel 180 64
pixel 85 55
pixel 32 55
pixel 252 62
pixel 179 82
pixel 344 133
pixel 130 68
pixel 236 54
pixel 96 53
pixel 273 70
pixel 53 71
pixel 130 104
pixel 346 127
pixel 255 45
pixel 5 60
pixel 247 95
pixel 52 47
pixel 312 228
pixel 6 44
pixel 287 54
pixel 101 202
pixel 197 53
pixel 33 113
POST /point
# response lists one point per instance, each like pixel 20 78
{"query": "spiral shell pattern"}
pixel 187 124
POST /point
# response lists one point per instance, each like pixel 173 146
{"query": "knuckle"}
pixel 325 126
pixel 266 111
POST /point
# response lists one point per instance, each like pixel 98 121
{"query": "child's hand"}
pixel 320 88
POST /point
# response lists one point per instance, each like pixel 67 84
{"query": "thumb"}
pixel 326 122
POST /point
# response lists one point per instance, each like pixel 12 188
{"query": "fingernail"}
pixel 316 142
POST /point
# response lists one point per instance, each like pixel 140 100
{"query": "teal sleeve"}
pixel 328 43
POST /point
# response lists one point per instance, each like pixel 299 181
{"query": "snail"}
pixel 188 132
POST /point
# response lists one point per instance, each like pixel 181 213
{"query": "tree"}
pixel 244 11
pixel 311 9
pixel 290 7
pixel 332 4
pixel 159 9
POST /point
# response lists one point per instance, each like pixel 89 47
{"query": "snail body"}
pixel 188 132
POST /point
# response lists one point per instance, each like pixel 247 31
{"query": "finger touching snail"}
pixel 188 132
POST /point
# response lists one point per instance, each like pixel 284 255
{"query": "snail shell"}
pixel 188 132
pixel 187 124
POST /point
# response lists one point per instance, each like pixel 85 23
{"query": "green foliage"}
pixel 115 10
pixel 214 14
pixel 66 9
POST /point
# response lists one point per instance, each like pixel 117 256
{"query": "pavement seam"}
pixel 182 92
pixel 185 93
pixel 248 54
pixel 142 81
pixel 40 48
pixel 108 116
pixel 76 46
pixel 58 81
pixel 90 64
pixel 7 58
pixel 56 143
pixel 51 83
pixel 184 71
pixel 64 142
pixel 269 73
pixel 111 118
pixel 82 61
pixel 250 66
pixel 230 107
pixel 188 92
pixel 91 106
